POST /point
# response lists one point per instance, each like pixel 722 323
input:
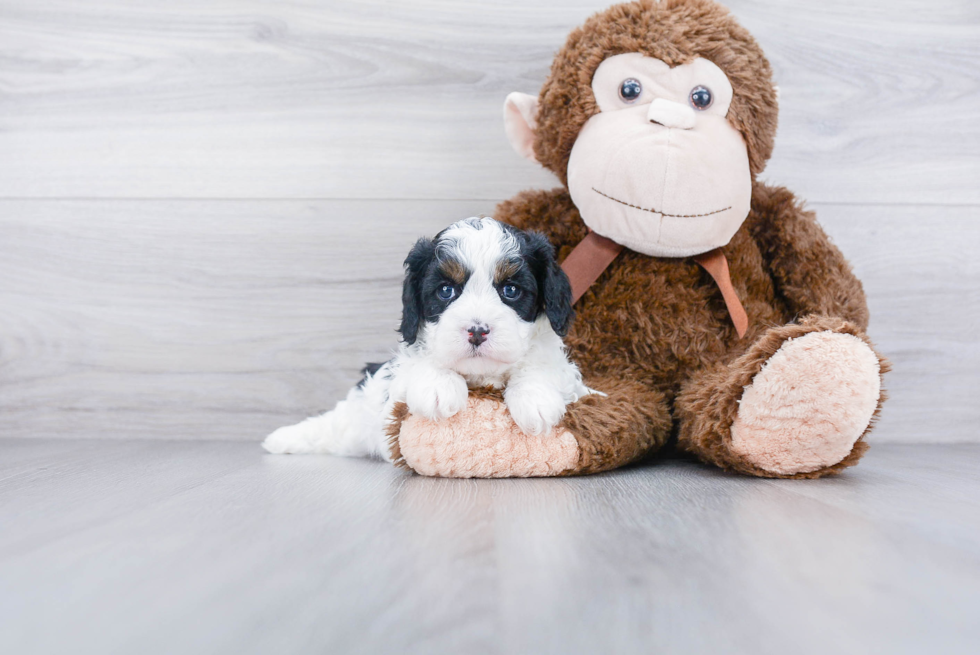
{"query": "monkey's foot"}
pixel 809 404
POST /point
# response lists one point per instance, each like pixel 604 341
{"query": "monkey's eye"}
pixel 510 292
pixel 630 90
pixel 701 97
pixel 446 292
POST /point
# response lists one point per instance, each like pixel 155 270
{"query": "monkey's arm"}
pixel 598 433
pixel 810 272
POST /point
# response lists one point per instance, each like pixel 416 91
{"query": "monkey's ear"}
pixel 520 119
pixel 416 266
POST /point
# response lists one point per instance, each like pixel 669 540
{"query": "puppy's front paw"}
pixel 438 395
pixel 535 409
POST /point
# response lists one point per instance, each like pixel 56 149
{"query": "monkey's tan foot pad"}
pixel 809 403
pixel 479 442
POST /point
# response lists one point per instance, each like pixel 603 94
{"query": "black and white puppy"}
pixel 484 304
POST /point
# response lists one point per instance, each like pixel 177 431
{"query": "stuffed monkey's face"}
pixel 660 169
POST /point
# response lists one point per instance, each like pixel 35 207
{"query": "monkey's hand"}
pixel 598 432
pixel 482 441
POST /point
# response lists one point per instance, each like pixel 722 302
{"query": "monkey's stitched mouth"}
pixel 654 211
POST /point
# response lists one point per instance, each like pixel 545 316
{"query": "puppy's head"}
pixel 472 295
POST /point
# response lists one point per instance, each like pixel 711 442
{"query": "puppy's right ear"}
pixel 416 266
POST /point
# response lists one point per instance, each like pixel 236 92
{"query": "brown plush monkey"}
pixel 657 118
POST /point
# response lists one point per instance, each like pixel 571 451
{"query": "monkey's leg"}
pixel 797 404
pixel 597 434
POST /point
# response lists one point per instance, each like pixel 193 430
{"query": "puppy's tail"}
pixel 351 429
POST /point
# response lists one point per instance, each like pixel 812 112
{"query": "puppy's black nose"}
pixel 478 334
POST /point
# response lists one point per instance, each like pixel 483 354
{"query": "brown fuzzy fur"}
pixel 655 332
pixel 631 422
pixel 393 429
pixel 661 323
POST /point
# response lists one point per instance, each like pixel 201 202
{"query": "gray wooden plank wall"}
pixel 204 206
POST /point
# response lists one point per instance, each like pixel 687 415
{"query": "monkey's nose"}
pixel 671 114
pixel 478 334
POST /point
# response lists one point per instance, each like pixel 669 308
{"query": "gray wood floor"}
pixel 194 547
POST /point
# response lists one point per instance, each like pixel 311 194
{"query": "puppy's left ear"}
pixel 555 295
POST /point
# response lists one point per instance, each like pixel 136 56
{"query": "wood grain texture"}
pixel 123 315
pixel 224 320
pixel 388 99
pixel 165 547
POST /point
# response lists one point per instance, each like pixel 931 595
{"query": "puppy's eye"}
pixel 630 89
pixel 446 292
pixel 701 97
pixel 510 292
